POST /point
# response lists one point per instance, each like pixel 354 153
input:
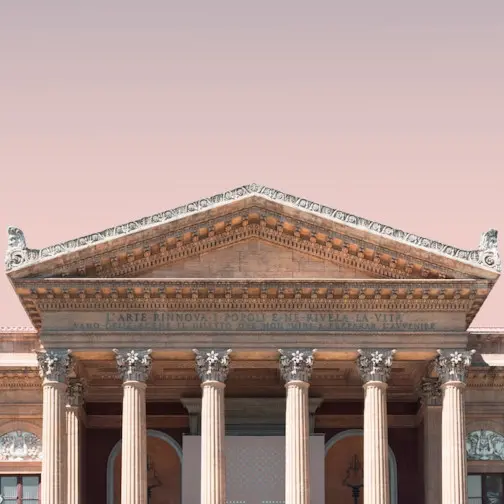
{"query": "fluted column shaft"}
pixel 376 466
pixel 297 436
pixel 295 368
pixel 134 367
pixel 375 367
pixel 212 367
pixel 134 444
pixel 74 434
pixel 452 367
pixel 454 460
pixel 432 412
pixel 213 462
pixel 53 366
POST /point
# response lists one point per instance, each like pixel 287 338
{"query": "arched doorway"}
pixel 337 461
pixel 164 476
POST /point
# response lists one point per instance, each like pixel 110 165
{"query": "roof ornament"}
pixel 17 252
pixel 488 250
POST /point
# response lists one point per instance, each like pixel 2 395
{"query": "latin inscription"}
pixel 248 322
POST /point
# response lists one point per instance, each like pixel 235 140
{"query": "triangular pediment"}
pixel 253 212
pixel 253 259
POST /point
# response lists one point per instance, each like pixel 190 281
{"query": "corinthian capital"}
pixel 452 365
pixel 134 365
pixel 212 365
pixel 430 391
pixel 375 365
pixel 296 365
pixel 75 392
pixel 54 365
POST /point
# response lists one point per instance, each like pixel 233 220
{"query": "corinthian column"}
pixel 430 394
pixel 134 368
pixel 212 367
pixel 54 366
pixel 452 366
pixel 296 368
pixel 75 401
pixel 374 367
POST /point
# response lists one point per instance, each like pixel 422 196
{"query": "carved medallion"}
pixel 485 445
pixel 375 365
pixel 17 446
pixel 54 364
pixel 452 365
pixel 134 365
pixel 212 365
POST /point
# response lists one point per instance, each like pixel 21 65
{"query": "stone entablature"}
pixel 486 256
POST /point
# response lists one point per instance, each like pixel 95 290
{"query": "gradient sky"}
pixel 115 110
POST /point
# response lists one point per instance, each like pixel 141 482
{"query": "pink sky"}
pixel 391 110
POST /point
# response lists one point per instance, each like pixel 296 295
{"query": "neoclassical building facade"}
pixel 252 348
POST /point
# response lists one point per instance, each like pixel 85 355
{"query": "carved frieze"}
pixel 485 445
pixel 20 446
pixel 453 365
pixel 134 365
pixel 19 255
pixel 375 364
pixel 54 365
pixel 212 365
pixel 296 365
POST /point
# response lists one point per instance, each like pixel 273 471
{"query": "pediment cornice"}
pixel 331 229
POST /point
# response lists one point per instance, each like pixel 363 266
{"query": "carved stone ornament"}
pixel 452 365
pixel 430 391
pixel 375 365
pixel 485 445
pixel 212 365
pixel 18 255
pixel 20 446
pixel 134 365
pixel 296 365
pixel 54 365
pixel 75 393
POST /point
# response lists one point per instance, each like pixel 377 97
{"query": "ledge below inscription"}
pixel 236 321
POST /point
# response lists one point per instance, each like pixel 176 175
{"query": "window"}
pixel 485 488
pixel 20 489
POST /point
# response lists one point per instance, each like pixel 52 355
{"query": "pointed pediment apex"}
pixel 323 222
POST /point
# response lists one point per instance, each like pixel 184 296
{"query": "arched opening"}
pixel 164 472
pixel 350 452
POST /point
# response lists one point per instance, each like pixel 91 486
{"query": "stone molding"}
pixel 453 365
pixel 54 365
pixel 133 365
pixel 375 364
pixel 430 391
pixel 485 256
pixel 212 365
pixel 296 364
